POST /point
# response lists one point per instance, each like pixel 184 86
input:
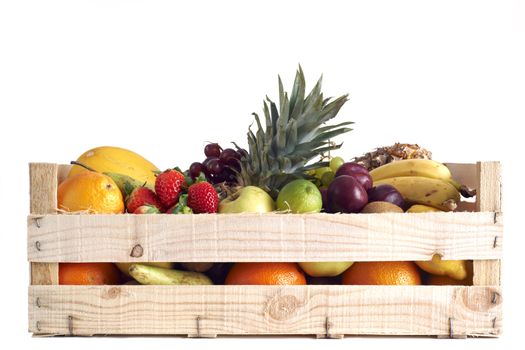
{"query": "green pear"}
pixel 325 269
pixel 249 199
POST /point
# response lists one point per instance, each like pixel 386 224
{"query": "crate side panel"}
pixel 43 183
pixel 488 272
pixel 212 310
pixel 268 237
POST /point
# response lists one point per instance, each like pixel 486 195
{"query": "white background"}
pixel 161 77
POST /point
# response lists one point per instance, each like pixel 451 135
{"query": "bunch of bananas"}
pixel 423 182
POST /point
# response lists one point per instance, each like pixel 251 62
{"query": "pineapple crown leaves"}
pixel 293 135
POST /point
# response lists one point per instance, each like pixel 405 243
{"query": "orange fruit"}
pixel 382 273
pixel 92 192
pixel 88 273
pixel 265 273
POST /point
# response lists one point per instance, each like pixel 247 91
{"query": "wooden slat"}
pixel 43 183
pixel 43 188
pixel 44 273
pixel 487 272
pixel 380 310
pixel 267 237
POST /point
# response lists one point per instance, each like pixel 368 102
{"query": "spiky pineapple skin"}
pixel 398 151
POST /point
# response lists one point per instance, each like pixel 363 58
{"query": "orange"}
pixel 383 273
pixel 265 273
pixel 92 192
pixel 88 273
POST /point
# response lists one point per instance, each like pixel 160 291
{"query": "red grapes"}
pixel 220 165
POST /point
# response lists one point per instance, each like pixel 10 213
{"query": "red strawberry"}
pixel 202 198
pixel 142 196
pixel 168 186
pixel 147 209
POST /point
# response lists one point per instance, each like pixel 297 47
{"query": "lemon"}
pixel 300 196
pixel 456 269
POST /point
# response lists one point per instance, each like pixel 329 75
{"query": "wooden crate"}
pixel 325 311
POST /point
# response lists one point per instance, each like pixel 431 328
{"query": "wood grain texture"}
pixel 43 183
pixel 488 272
pixel 43 188
pixel 382 310
pixel 266 237
pixel 44 273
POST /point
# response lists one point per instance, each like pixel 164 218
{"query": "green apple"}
pixel 249 199
pixel 325 269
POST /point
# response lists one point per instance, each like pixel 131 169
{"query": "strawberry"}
pixel 147 209
pixel 142 196
pixel 168 186
pixel 202 198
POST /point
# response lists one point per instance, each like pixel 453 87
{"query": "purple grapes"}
pixel 220 165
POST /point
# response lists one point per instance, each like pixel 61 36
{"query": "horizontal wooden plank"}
pixel 267 237
pixel 215 310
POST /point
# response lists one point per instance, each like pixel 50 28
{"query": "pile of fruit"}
pixel 286 168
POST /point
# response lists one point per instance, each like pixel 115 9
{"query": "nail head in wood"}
pixel 451 334
pixel 494 245
pixel 37 302
pixel 198 326
pixel 70 324
pixel 37 245
pixel 137 251
pixel 37 325
pixel 37 222
pixel 495 297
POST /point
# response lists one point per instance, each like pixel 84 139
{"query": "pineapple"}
pixel 383 155
pixel 292 136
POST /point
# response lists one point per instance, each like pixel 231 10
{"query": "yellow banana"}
pixel 412 167
pixel 420 208
pixel 124 267
pixel 152 275
pixel 419 167
pixel 424 190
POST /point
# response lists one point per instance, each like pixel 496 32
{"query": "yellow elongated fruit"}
pixel 420 208
pixel 424 190
pixel 124 267
pixel 456 269
pixel 108 159
pixel 152 275
pixel 412 167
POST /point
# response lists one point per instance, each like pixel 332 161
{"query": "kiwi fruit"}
pixel 381 207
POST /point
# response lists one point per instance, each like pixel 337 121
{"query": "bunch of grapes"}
pixel 220 165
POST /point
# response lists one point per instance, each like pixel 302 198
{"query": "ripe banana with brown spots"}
pixel 419 167
pixel 424 190
pixel 412 167
pixel 420 208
